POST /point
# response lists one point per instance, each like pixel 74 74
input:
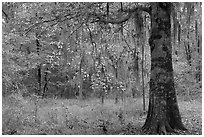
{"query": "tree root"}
pixel 161 128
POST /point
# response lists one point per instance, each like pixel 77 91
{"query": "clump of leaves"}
pixel 104 125
pixel 121 117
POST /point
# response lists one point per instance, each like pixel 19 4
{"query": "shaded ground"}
pixel 33 116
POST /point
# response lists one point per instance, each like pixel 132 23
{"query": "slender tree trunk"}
pixel 163 112
pixel 117 88
pixel 179 34
pixel 198 68
pixel 196 34
pixel 133 93
pixel 39 66
pixel 102 96
pixel 103 76
pixel 81 76
pixel 143 90
pixel 188 50
pixel 39 79
pixel 81 86
pixel 46 83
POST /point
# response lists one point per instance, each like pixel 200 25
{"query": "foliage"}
pixel 61 50
pixel 77 47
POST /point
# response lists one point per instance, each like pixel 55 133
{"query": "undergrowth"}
pixel 35 116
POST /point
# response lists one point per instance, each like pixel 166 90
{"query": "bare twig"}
pixel 75 29
pixel 123 38
pixel 5 14
pixel 36 24
pixel 46 21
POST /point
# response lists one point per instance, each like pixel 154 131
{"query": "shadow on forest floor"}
pixel 86 117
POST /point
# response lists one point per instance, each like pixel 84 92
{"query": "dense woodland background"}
pixel 64 72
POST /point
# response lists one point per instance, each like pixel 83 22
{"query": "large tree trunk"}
pixel 163 113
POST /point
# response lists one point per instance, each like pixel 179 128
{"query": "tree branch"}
pixel 135 9
pixel 6 15
pixel 110 20
pixel 46 21
pixel 105 19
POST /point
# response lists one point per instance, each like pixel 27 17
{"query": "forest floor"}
pixel 86 117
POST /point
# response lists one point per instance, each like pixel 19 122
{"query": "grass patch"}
pixel 33 116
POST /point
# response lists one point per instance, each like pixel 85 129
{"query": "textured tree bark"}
pixel 163 112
